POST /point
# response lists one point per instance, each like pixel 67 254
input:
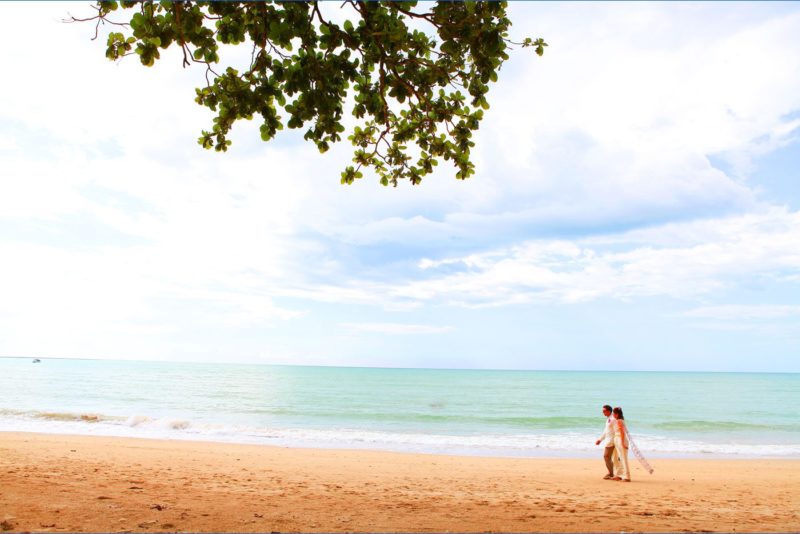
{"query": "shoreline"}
pixel 57 482
pixel 92 425
pixel 542 453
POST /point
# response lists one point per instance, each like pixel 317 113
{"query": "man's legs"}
pixel 611 459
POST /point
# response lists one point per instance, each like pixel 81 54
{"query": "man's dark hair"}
pixel 607 407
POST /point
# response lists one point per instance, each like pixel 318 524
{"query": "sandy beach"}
pixel 80 483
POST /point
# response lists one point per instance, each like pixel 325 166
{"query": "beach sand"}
pixel 82 483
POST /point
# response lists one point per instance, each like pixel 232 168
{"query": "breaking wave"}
pixel 537 443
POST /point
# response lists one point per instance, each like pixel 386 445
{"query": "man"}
pixel 612 462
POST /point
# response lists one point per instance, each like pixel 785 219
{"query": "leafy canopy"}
pixel 418 77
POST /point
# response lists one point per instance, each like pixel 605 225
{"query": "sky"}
pixel 636 206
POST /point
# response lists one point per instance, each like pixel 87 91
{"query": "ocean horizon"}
pixel 514 413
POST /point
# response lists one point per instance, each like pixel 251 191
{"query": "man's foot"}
pixel 626 480
pixel 608 477
pixel 616 478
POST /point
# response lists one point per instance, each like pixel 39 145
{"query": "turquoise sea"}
pixel 503 413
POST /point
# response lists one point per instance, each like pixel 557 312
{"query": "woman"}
pixel 621 443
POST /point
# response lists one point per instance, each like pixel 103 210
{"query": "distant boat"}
pixel 37 360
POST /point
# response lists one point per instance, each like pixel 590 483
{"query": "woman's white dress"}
pixel 621 448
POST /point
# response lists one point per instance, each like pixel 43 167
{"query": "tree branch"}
pixel 426 16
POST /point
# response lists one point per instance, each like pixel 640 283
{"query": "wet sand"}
pixel 81 483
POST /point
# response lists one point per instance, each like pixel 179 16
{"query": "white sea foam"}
pixel 136 420
pixel 529 444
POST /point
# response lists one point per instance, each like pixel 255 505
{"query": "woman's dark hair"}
pixel 618 413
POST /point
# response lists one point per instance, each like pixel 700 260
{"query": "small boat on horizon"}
pixel 37 360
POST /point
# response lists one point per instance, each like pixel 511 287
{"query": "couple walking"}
pixel 617 445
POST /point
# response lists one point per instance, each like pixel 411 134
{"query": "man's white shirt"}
pixel 610 431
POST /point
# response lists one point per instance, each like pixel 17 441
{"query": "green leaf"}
pixel 398 82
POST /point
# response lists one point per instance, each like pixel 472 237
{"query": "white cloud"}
pixel 397 328
pixel 708 256
pixel 7 143
pixel 776 322
pixel 640 78
pixel 744 312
